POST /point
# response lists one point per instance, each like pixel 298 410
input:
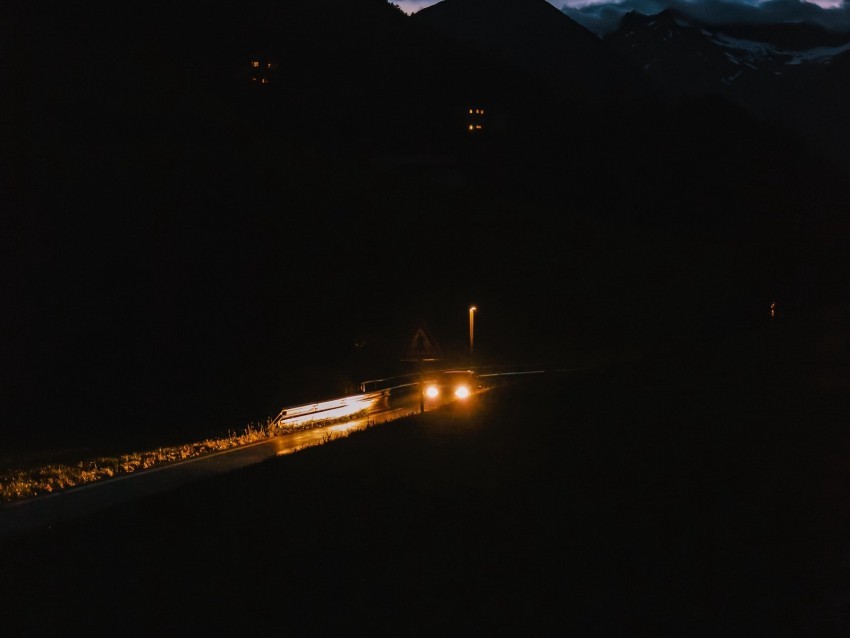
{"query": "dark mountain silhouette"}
pixel 691 63
pixel 534 36
pixel 174 228
pixel 789 74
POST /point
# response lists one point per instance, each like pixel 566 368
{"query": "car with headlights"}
pixel 451 385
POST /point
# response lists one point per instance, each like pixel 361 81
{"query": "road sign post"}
pixel 421 349
pixel 421 392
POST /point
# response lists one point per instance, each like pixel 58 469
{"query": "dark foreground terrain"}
pixel 702 492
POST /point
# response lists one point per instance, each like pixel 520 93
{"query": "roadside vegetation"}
pixel 21 483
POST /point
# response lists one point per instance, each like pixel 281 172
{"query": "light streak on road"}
pixel 326 410
pixel 513 374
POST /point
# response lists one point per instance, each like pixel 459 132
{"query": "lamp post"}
pixel 472 310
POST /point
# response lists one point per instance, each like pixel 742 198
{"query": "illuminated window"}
pixel 475 119
pixel 255 64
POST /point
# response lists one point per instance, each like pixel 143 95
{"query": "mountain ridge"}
pixel 793 75
pixel 537 37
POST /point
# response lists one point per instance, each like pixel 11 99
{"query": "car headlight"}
pixel 432 392
pixel 462 391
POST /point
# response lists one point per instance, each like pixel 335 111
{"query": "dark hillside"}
pixel 178 232
pixel 190 248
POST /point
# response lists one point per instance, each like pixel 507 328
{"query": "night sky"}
pixel 601 16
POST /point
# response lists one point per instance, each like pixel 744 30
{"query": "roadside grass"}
pixel 18 484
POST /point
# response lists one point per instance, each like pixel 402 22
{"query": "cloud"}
pixel 601 16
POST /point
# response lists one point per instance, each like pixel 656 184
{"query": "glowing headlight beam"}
pixel 338 408
pixel 461 392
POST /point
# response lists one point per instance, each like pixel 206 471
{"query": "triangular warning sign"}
pixel 422 347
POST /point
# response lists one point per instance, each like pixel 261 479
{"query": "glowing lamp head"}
pixel 432 392
pixel 462 392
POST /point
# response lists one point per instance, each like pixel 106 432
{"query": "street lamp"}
pixel 472 310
